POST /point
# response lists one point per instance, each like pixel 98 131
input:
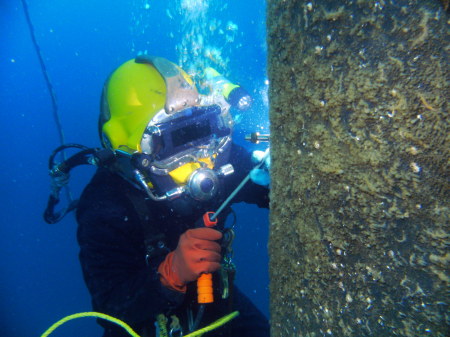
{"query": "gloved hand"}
pixel 197 253
pixel 261 175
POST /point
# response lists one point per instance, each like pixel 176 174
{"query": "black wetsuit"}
pixel 111 236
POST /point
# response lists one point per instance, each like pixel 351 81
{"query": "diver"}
pixel 148 226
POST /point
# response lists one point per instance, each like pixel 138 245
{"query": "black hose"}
pixel 80 158
pixel 60 175
pixel 198 318
pixel 51 216
pixel 51 160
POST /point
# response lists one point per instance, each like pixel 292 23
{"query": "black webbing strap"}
pixel 154 239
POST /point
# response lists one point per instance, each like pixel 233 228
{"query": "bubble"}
pixel 231 26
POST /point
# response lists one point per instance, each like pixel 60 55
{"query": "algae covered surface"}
pixel 359 136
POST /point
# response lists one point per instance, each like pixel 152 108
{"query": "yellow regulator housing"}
pixel 181 174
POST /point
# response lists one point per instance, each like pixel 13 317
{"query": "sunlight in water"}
pixel 205 41
pixel 195 8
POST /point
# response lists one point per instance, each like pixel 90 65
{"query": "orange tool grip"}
pixel 207 219
pixel 205 289
pixel 204 282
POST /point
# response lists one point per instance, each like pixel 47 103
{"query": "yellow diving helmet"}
pixel 135 92
pixel 151 115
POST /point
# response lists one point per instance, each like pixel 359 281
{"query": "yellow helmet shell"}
pixel 132 95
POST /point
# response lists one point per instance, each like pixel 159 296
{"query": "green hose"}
pixel 90 314
pixel 130 331
pixel 214 325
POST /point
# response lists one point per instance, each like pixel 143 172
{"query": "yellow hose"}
pixel 131 332
pixel 214 325
pixel 90 314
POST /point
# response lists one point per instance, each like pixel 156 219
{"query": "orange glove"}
pixel 197 253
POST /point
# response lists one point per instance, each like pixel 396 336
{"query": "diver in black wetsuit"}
pixel 141 235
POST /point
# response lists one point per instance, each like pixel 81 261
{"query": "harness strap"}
pixel 154 239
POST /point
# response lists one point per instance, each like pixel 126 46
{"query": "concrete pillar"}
pixel 360 178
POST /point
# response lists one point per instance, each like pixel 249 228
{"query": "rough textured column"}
pixel 360 146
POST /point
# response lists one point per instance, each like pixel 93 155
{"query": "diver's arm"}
pixel 251 193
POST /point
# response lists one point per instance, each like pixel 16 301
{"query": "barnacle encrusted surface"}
pixel 360 142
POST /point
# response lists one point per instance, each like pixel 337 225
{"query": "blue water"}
pixel 82 42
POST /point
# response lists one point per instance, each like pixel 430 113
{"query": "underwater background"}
pixel 81 43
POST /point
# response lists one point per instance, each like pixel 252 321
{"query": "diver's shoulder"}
pixel 104 178
pixel 104 185
pixel 105 200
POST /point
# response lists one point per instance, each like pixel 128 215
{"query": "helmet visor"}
pixel 194 127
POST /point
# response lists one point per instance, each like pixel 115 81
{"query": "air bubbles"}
pixel 231 26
